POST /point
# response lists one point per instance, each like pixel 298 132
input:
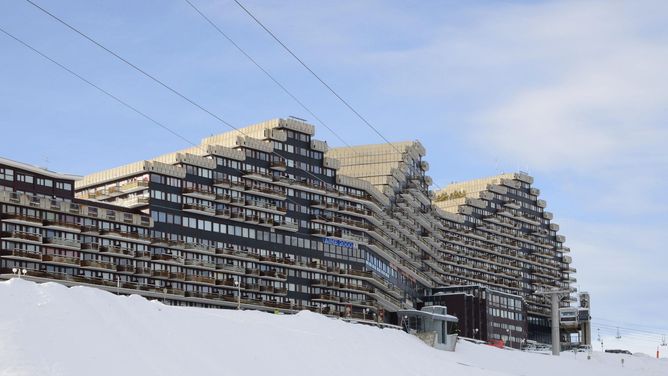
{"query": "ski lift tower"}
pixel 555 295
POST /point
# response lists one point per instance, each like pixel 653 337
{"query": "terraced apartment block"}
pixel 270 218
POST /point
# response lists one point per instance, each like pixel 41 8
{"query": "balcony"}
pixel 67 226
pixel 199 263
pixel 222 182
pixel 162 274
pixel 98 265
pixel 136 185
pixel 198 247
pixel 231 268
pixel 341 286
pixel 201 295
pixel 279 165
pixel 166 258
pixel 23 219
pixel 223 198
pixel 266 221
pixel 274 193
pixel 285 225
pixel 62 242
pixel 89 229
pixel 117 250
pixel 20 254
pixel 133 202
pixel 226 213
pixel 200 193
pixel 109 192
pixel 257 175
pixel 56 259
pixel 513 204
pixel 273 274
pixel 200 279
pixel 257 205
pixel 124 235
pixel 20 235
pixel 199 209
pixel 125 268
pixel 142 271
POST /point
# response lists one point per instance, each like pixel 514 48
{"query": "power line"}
pixel 630 329
pixel 314 74
pixel 107 93
pixel 155 79
pixel 633 325
pixel 161 83
pixel 271 77
pixel 652 340
pixel 135 67
pixel 100 89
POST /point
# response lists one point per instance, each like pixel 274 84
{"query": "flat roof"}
pixel 38 170
pixel 431 315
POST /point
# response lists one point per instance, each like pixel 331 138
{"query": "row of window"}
pixel 82 221
pixel 502 313
pixel 251 233
pixel 504 326
pixel 166 180
pixel 298 135
pixel 8 174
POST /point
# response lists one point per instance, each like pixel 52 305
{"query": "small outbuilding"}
pixel 431 324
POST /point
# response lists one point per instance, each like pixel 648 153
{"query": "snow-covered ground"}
pixel 49 329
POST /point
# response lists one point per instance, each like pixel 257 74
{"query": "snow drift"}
pixel 48 329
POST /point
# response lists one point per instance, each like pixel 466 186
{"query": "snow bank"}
pixel 49 329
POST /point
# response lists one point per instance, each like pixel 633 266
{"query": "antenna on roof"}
pixel 45 159
pixel 298 118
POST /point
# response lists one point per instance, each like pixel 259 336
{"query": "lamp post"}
pixel 19 271
pixel 365 311
pixel 238 286
pixel 508 332
pixel 475 332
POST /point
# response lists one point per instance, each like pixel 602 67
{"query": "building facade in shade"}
pixel 270 218
pixel 485 314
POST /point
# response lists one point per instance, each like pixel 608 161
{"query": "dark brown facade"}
pixel 483 313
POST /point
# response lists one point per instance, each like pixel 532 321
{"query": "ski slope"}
pixel 48 329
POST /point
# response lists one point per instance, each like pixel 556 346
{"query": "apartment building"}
pixel 268 217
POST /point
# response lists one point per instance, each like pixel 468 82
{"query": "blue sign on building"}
pixel 340 243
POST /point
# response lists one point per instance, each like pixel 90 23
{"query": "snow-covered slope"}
pixel 49 329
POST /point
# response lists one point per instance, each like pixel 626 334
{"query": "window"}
pixel 24 178
pixel 45 182
pixel 64 186
pixel 6 174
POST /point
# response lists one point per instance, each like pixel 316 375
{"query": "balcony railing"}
pixel 58 241
pixel 20 253
pixel 30 236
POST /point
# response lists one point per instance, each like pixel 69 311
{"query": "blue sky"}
pixel 572 92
